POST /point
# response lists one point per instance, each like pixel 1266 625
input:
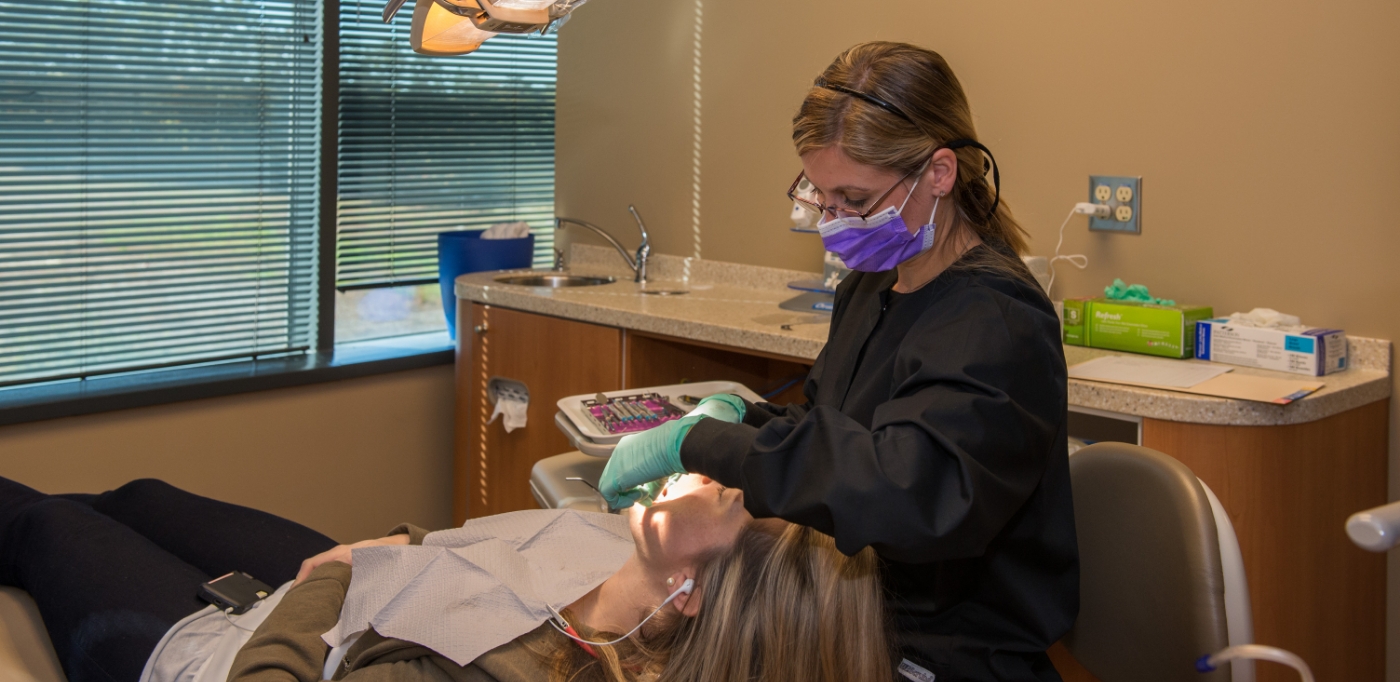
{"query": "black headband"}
pixel 821 83
pixel 990 165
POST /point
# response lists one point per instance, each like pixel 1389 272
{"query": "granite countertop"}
pixel 725 303
pixel 1367 381
pixel 737 305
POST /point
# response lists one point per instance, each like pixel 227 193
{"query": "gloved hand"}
pixel 722 406
pixel 642 458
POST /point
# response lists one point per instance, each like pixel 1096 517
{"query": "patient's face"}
pixel 691 518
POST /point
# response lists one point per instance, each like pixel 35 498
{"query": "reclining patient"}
pixel 113 573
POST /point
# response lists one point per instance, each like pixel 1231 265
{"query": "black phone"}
pixel 237 591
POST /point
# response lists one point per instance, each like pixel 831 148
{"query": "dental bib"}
pixel 466 591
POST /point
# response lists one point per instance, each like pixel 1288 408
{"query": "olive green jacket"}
pixel 288 647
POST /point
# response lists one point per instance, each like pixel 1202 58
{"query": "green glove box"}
pixel 1148 328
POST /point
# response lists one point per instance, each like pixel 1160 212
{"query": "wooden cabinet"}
pixel 1289 490
pixel 655 360
pixel 556 358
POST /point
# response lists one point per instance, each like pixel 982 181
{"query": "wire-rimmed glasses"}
pixel 819 206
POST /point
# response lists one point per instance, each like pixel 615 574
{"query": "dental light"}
pixel 453 27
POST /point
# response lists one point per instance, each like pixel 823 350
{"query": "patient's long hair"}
pixel 782 604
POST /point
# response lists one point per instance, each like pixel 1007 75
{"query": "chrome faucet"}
pixel 637 263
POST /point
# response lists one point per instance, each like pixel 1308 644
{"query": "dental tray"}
pixel 626 414
pixel 604 418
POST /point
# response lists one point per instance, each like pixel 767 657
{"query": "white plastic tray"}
pixel 586 428
pixel 577 440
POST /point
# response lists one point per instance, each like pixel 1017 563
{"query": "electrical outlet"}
pixel 1123 196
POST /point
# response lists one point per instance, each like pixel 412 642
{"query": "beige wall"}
pixel 1267 135
pixel 349 458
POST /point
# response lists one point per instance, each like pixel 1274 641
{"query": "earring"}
pixel 670 581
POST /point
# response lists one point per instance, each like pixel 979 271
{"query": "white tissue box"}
pixel 1314 352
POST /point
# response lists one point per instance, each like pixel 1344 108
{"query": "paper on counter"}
pixel 1192 377
pixel 1258 389
pixel 466 591
pixel 1146 371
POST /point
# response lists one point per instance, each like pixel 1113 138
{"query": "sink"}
pixel 555 280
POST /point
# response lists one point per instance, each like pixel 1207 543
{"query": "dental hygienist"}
pixel 935 424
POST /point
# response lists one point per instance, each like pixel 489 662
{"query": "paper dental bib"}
pixel 466 591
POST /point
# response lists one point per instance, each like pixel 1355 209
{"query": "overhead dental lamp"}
pixel 452 27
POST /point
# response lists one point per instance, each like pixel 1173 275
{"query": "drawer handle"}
pixel 481 329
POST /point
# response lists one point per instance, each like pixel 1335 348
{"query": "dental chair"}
pixel 1161 578
pixel 553 482
pixel 26 654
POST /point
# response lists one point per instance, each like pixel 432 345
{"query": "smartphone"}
pixel 237 590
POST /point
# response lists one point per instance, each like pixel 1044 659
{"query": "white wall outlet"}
pixel 1123 197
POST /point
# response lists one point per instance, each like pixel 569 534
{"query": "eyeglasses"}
pixel 819 206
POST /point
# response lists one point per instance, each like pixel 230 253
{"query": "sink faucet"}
pixel 637 263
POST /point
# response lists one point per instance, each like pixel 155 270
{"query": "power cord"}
pixel 1078 260
pixel 228 617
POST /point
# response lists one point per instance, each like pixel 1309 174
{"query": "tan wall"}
pixel 348 458
pixel 1267 134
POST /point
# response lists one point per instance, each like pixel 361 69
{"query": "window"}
pixel 426 145
pixel 158 179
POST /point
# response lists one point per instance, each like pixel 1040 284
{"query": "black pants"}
pixel 113 572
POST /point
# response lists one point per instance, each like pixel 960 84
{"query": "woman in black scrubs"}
pixel 935 424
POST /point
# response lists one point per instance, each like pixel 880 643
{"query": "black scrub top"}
pixel 934 432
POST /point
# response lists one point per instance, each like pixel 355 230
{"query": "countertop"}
pixel 737 305
pixel 1367 381
pixel 726 303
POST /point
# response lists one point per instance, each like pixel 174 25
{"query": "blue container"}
pixel 462 252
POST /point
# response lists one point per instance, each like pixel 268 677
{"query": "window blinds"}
pixel 431 144
pixel 158 180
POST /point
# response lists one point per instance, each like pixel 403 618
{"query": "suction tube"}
pixel 1258 652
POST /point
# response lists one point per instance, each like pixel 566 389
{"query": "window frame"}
pixel 327 362
pixel 330 187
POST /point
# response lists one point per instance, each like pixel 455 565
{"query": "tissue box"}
pixel 1149 328
pixel 1313 352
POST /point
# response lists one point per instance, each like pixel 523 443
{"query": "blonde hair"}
pixel 920 84
pixel 782 604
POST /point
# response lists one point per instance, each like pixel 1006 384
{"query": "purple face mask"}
pixel 879 242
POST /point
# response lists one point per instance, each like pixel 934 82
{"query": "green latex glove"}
pixel 722 406
pixel 1121 291
pixel 643 458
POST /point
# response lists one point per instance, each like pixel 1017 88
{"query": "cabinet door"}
pixel 554 358
pixel 1289 490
